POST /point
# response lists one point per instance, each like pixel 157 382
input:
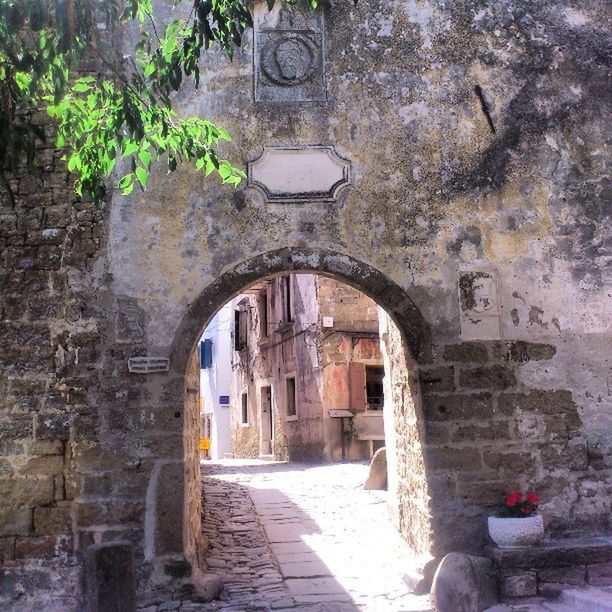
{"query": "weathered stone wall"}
pixel 53 307
pixel 477 136
pixel 409 483
pixel 487 432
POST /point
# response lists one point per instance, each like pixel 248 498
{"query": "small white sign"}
pixel 338 414
pixel 148 365
pixel 328 322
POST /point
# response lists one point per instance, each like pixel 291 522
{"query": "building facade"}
pixel 215 360
pixel 307 374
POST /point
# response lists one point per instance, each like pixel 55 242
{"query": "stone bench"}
pixel 548 568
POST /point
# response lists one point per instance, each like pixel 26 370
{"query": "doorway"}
pixel 266 445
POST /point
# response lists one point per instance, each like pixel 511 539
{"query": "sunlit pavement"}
pixel 295 536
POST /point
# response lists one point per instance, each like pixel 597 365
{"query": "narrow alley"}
pixel 286 536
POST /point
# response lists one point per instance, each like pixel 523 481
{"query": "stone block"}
pixel 600 574
pixel 457 529
pixel 509 462
pixel 521 351
pixel 53 426
pixel 491 377
pixel 575 575
pixel 446 458
pixel 463 583
pixel 541 402
pixel 110 577
pixel 561 553
pixel 484 493
pixel 26 491
pixel 15 521
pixel 491 430
pixel 61 488
pixel 436 432
pixel 377 476
pixel 466 352
pixel 15 584
pixel 43 547
pixel 519 583
pixel 16 427
pixel 44 447
pixel 458 407
pixel 6 468
pixel 7 550
pixel 571 456
pixel 93 513
pixel 552 590
pixel 48 465
pixel 52 520
pixel 438 380
pixel 96 484
pixel 169 508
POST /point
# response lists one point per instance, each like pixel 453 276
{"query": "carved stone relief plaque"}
pixel 288 54
pixel 478 306
pixel 131 320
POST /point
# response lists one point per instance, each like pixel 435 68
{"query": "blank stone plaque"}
pixel 298 174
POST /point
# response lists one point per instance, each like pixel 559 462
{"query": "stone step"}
pixel 555 606
pixel 591 599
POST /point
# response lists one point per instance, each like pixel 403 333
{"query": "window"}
pixel 263 314
pixel 375 398
pixel 286 291
pixel 291 398
pixel 240 328
pixel 206 356
pixel 245 409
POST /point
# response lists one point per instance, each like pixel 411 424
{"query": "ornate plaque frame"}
pixel 299 174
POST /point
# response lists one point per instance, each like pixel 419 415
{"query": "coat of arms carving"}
pixel 289 62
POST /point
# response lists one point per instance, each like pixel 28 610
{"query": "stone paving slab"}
pixel 304 569
pixel 290 548
pixel 284 533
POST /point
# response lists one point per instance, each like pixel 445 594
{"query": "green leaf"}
pixel 73 162
pixel 81 87
pixel 150 69
pixel 173 27
pixel 142 176
pixel 127 190
pixel 225 170
pixel 129 148
pixel 125 181
pixel 145 158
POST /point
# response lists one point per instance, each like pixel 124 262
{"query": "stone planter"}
pixel 516 532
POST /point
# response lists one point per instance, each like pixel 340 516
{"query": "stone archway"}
pixel 412 336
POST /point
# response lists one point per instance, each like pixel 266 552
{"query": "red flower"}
pixel 514 498
pixel 525 510
pixel 532 498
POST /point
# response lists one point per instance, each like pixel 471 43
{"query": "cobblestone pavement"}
pixel 294 536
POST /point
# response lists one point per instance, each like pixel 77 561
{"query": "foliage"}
pixel 64 56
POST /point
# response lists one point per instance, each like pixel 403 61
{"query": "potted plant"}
pixel 518 524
